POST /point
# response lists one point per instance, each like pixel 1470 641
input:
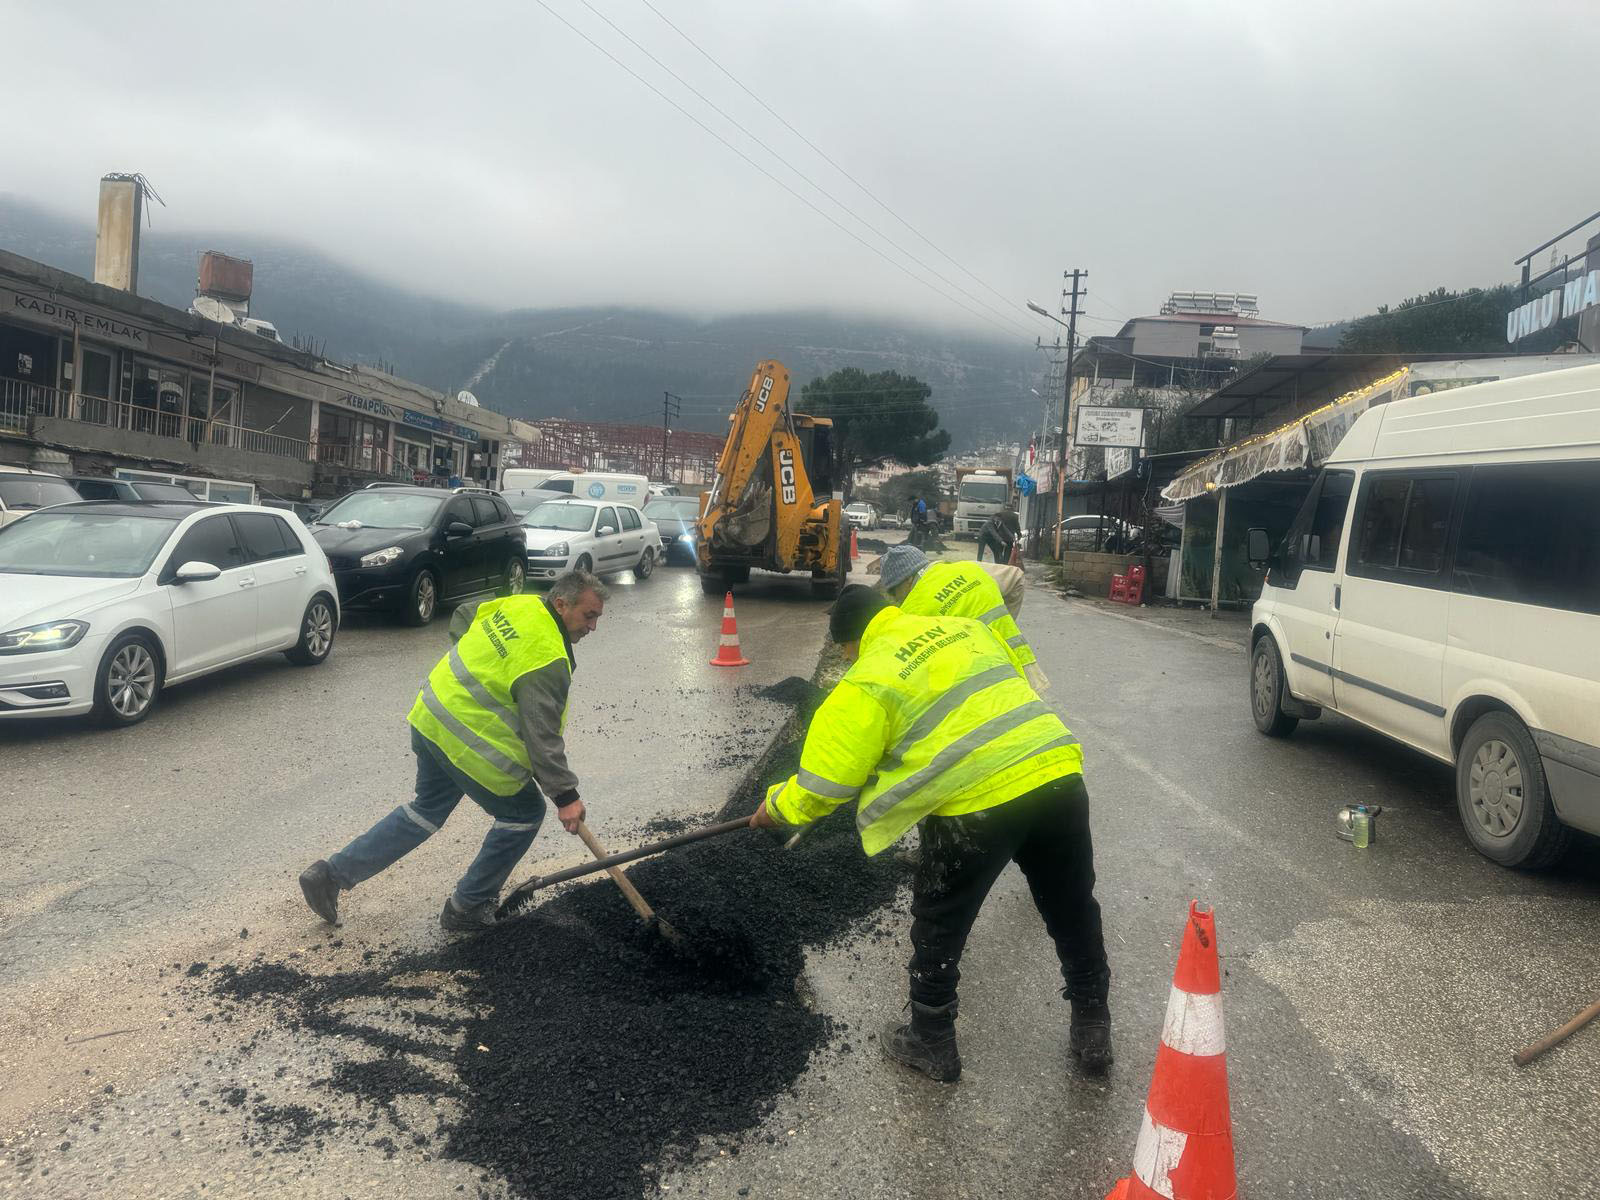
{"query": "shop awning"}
pixel 1304 442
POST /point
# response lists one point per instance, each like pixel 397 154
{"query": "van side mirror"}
pixel 1258 549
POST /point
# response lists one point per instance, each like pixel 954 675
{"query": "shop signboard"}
pixel 1106 426
pixel 1571 298
pixel 440 425
pixel 1119 461
pixel 70 315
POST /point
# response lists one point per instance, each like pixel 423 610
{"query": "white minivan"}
pixel 600 485
pixel 1441 585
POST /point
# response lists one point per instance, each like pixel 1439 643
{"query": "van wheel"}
pixel 1503 797
pixel 1266 690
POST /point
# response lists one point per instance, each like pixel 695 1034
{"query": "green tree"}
pixel 1445 322
pixel 876 417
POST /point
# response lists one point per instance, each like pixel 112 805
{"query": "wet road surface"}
pixel 1373 998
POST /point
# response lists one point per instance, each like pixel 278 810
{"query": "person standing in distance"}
pixel 487 724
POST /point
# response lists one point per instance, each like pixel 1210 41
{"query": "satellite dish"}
pixel 212 309
pixel 466 397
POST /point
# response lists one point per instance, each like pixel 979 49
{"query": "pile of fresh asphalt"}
pixel 597 1053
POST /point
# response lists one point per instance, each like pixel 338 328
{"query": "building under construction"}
pixel 673 456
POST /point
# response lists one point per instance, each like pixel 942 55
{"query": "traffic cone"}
pixel 1185 1147
pixel 854 553
pixel 728 653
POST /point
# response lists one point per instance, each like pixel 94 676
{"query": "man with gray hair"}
pixel 487 724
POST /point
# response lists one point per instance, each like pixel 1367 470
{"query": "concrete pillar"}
pixel 116 239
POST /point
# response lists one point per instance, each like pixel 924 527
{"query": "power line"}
pixel 752 162
pixel 712 104
pixel 823 154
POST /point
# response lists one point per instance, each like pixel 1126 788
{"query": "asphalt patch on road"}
pixel 582 1052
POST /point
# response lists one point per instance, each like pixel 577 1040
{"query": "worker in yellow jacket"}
pixel 489 724
pixel 959 589
pixel 934 724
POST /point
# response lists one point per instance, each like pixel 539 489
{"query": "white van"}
pixel 1441 585
pixel 525 479
pixel 601 485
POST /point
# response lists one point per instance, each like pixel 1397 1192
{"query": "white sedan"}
pixel 103 604
pixel 585 535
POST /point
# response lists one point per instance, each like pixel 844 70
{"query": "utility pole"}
pixel 670 408
pixel 1071 312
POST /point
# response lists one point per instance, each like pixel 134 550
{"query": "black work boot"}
pixel 468 920
pixel 1090 1040
pixel 928 1043
pixel 320 891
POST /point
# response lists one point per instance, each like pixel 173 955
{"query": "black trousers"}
pixel 999 550
pixel 1046 833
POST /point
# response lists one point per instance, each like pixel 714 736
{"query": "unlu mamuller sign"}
pixel 1568 300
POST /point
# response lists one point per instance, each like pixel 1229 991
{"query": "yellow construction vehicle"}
pixel 772 503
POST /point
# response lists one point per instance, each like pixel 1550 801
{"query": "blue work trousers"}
pixel 440 787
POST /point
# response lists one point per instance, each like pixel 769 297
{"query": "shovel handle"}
pixel 640 904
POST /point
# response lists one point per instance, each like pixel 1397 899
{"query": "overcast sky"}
pixel 1328 156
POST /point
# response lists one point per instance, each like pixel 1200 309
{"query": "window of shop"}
pixel 350 440
pixel 153 397
pixel 414 456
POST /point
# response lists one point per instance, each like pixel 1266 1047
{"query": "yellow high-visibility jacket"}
pixel 466 706
pixel 965 589
pixel 933 717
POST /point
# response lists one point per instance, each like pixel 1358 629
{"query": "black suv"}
pixel 407 550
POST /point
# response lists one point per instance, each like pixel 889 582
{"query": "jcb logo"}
pixel 766 391
pixel 786 475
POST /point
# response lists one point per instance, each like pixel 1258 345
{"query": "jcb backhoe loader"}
pixel 772 504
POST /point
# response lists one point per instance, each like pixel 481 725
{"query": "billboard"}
pixel 1103 426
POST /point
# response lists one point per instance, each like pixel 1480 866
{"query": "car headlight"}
pixel 559 550
pixel 381 558
pixel 686 537
pixel 56 635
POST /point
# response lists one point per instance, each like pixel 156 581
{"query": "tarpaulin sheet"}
pixel 1304 442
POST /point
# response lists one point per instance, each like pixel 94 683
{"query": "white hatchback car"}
pixel 102 604
pixel 563 535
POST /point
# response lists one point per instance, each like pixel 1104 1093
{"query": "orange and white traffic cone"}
pixel 728 653
pixel 854 553
pixel 1185 1147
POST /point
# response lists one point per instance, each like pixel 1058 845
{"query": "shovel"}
pixel 522 895
pixel 640 904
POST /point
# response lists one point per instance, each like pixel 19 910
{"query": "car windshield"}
pixel 383 510
pixel 523 503
pixel 985 491
pixel 93 544
pixel 35 491
pixel 574 518
pixel 686 509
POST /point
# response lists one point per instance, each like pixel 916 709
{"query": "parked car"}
pixel 409 550
pixel 23 490
pixel 861 515
pixel 603 538
pixel 664 489
pixel 891 521
pixel 104 487
pixel 676 519
pixel 1441 585
pixel 103 604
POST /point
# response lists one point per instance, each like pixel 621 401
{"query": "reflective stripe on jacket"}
pixel 466 707
pixel 933 717
pixel 965 589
